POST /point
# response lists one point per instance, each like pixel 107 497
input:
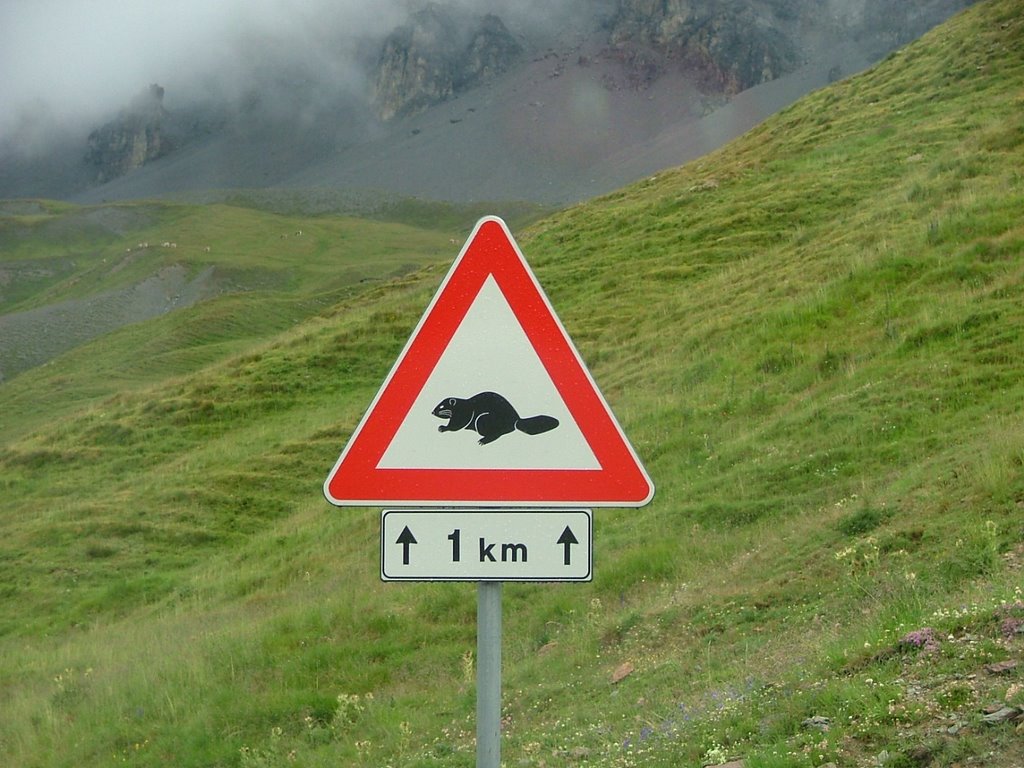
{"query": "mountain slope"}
pixel 213 280
pixel 812 337
pixel 553 109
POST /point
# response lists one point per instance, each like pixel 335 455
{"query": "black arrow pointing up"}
pixel 405 538
pixel 567 539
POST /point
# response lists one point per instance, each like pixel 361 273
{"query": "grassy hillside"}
pixel 813 339
pixel 211 280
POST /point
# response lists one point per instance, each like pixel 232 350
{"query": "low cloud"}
pixel 69 64
pixel 76 61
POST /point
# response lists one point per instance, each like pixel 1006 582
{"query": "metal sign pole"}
pixel 488 675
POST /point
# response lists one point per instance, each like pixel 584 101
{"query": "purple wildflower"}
pixel 1010 627
pixel 1012 621
pixel 923 638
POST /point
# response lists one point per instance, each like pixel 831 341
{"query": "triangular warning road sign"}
pixel 489 404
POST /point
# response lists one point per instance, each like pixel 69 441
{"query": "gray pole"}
pixel 488 674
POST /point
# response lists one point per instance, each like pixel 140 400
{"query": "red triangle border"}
pixel 490 251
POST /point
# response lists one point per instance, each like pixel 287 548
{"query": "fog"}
pixel 68 64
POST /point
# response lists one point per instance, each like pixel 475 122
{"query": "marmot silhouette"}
pixel 490 415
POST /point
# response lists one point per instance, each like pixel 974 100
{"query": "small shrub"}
pixel 861 521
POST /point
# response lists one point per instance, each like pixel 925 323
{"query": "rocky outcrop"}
pixel 731 46
pixel 437 55
pixel 131 140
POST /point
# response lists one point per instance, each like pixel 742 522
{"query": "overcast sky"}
pixel 81 60
pixel 86 58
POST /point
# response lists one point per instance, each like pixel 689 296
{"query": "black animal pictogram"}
pixel 490 415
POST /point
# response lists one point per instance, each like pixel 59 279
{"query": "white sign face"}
pixel 489 352
pixel 486 545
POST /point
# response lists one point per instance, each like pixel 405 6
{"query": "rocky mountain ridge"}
pixel 131 140
pixel 578 110
pixel 729 46
pixel 437 55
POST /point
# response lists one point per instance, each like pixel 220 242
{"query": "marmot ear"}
pixel 451 401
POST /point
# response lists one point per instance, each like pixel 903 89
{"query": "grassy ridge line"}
pixel 830 412
pixel 258 277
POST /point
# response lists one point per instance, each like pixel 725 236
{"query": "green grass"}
pixel 813 339
pixel 261 279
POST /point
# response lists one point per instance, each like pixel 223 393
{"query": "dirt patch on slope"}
pixel 35 336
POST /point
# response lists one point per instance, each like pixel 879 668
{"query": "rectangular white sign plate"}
pixel 486 545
